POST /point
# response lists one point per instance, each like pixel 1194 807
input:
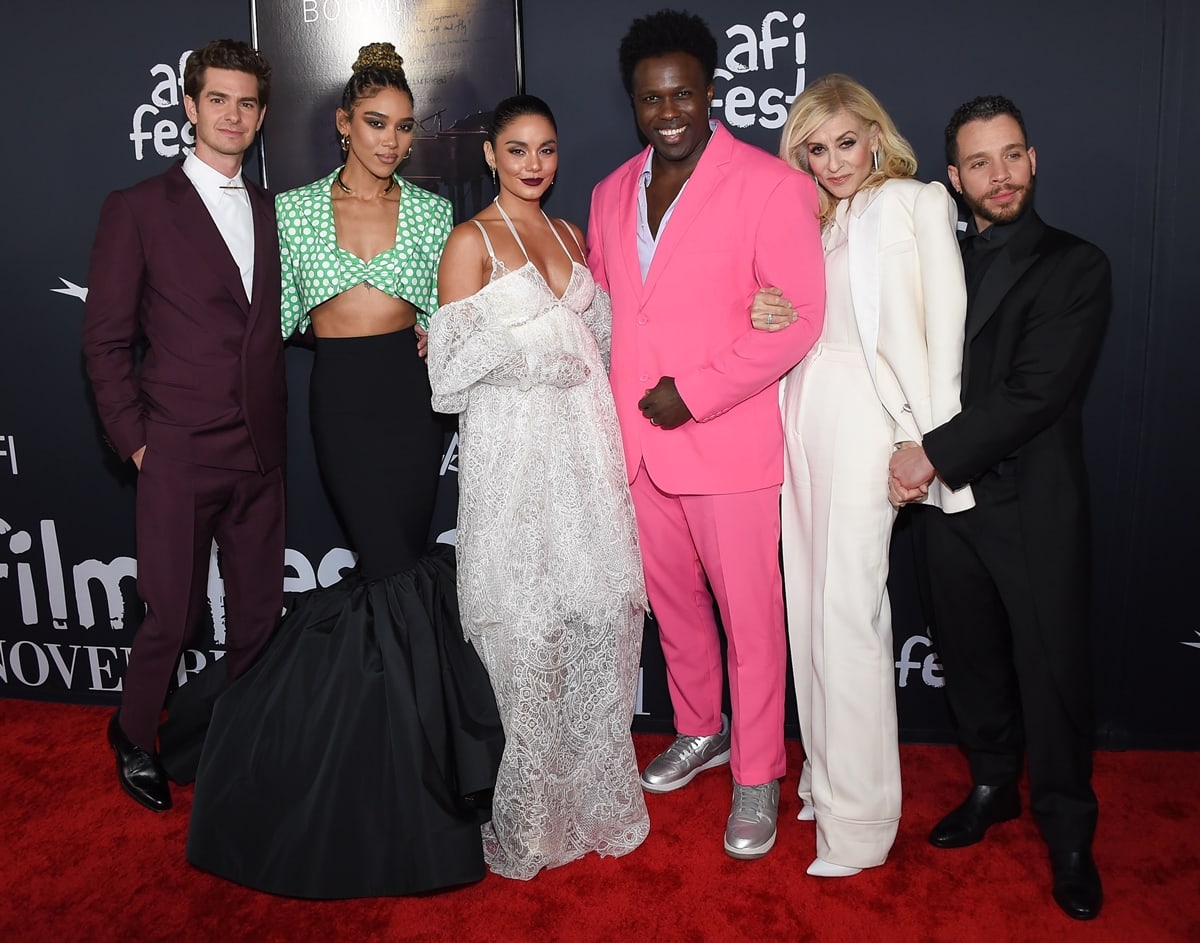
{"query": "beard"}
pixel 1002 214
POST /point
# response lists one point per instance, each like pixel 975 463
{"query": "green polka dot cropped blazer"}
pixel 315 268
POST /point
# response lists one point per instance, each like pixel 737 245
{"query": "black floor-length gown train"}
pixel 350 761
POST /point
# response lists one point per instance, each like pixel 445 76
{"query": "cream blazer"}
pixel 910 305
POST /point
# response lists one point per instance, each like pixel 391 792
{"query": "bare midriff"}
pixel 362 311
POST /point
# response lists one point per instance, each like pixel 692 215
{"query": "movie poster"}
pixel 460 58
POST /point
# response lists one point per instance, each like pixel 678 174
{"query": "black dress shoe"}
pixel 1076 884
pixel 985 806
pixel 138 771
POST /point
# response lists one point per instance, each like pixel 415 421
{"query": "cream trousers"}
pixel 836 531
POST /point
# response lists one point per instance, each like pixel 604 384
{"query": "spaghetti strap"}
pixel 562 245
pixel 574 239
pixel 486 241
pixel 512 229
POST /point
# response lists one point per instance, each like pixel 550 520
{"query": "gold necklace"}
pixel 345 189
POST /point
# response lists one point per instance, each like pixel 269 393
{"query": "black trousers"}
pixel 1000 681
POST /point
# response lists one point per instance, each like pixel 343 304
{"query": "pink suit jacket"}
pixel 744 220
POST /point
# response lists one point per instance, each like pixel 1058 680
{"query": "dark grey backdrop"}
pixel 1106 89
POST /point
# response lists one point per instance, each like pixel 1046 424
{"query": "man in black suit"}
pixel 1010 578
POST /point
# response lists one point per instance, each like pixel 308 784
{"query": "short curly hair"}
pixel 983 108
pixel 663 33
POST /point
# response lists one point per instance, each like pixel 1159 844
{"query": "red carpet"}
pixel 80 862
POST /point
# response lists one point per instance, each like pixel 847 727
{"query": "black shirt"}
pixel 980 249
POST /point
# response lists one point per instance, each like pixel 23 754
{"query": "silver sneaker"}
pixel 750 831
pixel 679 763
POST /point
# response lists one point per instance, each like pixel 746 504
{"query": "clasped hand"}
pixel 909 471
pixel 665 408
pixel 909 474
pixel 562 370
pixel 770 311
pixel 663 405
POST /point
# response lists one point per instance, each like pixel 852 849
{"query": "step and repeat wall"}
pixel 1105 88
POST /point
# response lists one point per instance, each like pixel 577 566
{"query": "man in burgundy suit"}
pixel 189 260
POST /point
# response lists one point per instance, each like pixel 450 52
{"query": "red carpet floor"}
pixel 80 862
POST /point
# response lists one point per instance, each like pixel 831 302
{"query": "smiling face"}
pixel 671 95
pixel 839 154
pixel 995 169
pixel 227 114
pixel 525 156
pixel 380 130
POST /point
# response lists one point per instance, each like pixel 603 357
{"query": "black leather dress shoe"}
pixel 138 771
pixel 985 806
pixel 1076 884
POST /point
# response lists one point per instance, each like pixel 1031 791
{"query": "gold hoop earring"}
pixel 875 160
pixel 346 142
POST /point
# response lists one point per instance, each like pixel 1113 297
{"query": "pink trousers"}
pixel 731 543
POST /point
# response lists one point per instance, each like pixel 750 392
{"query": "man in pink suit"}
pixel 189 260
pixel 681 236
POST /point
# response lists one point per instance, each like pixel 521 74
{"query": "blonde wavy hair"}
pixel 822 100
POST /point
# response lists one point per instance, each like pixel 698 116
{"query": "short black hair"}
pixel 226 54
pixel 517 106
pixel 663 33
pixel 982 108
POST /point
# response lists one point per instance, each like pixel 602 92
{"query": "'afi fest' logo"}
pixel 776 48
pixel 161 119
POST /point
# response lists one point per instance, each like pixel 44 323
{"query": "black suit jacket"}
pixel 211 388
pixel 1034 329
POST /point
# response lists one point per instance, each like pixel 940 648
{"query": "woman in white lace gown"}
pixel 549 575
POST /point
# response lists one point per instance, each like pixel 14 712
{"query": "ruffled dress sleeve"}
pixel 598 318
pixel 467 346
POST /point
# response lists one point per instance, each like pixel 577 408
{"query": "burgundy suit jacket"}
pixel 210 389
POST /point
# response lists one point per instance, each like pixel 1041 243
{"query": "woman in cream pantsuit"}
pixel 885 370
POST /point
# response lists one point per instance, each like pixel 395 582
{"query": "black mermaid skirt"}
pixel 356 757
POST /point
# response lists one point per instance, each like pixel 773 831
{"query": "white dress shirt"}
pixel 228 204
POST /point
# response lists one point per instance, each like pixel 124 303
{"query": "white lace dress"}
pixel 549 575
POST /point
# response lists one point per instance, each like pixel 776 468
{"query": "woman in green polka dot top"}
pixel 354 760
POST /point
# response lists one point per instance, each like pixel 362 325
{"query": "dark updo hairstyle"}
pixel 663 33
pixel 377 67
pixel 226 54
pixel 518 106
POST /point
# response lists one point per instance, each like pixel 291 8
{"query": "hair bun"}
pixel 378 56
